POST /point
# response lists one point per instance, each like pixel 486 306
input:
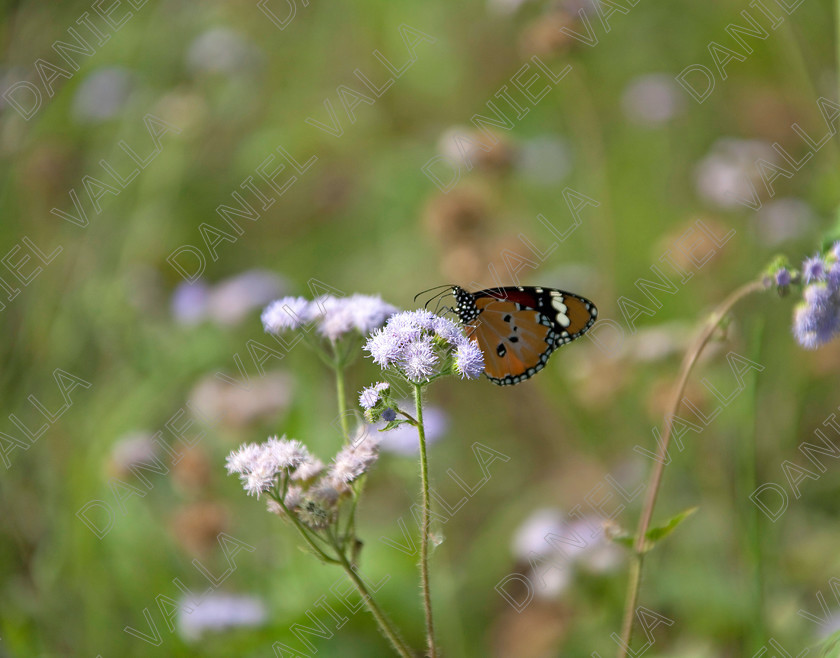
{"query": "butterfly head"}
pixel 464 304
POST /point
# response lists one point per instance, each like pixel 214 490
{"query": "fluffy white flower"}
pixel 286 453
pixel 286 313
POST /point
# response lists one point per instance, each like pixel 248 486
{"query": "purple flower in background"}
pixel 813 269
pixel 189 302
pixel 369 312
pixel 221 50
pixel 334 316
pixel 817 319
pixel 132 450
pixel 546 159
pixel 229 301
pixel 833 277
pixel 233 298
pixel 569 544
pixel 235 407
pixel 389 415
pixel 285 313
pixel 727 176
pixel 505 6
pixel 782 220
pixel 529 537
pixel 102 94
pixel 652 99
pixel 818 296
pixel 218 612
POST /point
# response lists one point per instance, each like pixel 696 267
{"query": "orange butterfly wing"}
pixel 517 329
pixel 513 341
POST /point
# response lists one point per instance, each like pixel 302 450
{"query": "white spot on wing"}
pixel 560 307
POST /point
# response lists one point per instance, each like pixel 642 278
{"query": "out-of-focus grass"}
pixel 355 221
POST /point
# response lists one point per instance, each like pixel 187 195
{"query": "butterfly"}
pixel 518 328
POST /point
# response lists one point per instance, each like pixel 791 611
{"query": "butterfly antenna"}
pixel 439 297
pixel 445 285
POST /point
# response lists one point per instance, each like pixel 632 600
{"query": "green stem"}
pixel 350 529
pixel 342 403
pixel 382 621
pixel 747 455
pixel 424 538
pixel 689 361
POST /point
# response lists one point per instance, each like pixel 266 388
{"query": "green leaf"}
pixel 830 646
pixel 660 532
pixel 625 539
pixel 393 424
pixel 657 533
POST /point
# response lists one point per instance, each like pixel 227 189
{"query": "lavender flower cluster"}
pixel 421 345
pixel 335 316
pixel 816 319
pixel 298 483
pixel 372 395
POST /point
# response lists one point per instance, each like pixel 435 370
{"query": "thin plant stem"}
pixel 305 534
pixel 424 538
pixel 689 361
pixel 341 395
pixel 585 122
pixel 746 456
pixel 350 531
pixel 382 621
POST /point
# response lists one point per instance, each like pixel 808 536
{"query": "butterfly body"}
pixel 518 328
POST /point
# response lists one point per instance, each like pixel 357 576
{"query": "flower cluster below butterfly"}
pixel 518 328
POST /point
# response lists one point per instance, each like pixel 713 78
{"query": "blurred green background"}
pixel 226 86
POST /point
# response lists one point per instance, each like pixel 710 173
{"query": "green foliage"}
pixel 656 534
pixel 364 218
